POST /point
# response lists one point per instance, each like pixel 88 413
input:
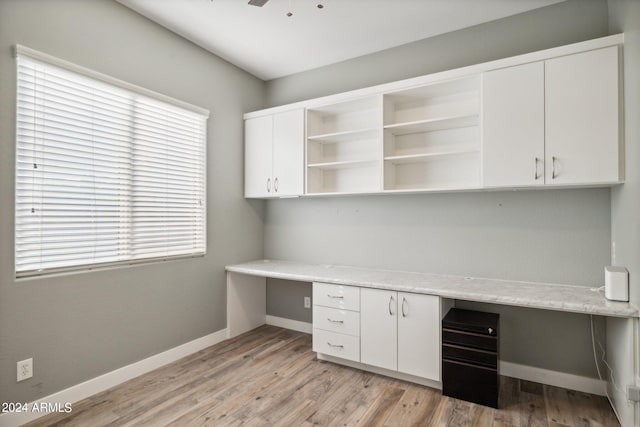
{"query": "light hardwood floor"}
pixel 270 376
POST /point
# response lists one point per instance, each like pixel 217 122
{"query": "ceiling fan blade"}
pixel 258 3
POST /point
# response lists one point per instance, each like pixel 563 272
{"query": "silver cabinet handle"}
pixel 335 321
pixel 404 300
pixel 335 296
pixel 553 167
pixel 390 301
pixel 275 184
pixel 268 185
pixel 535 173
pixel 335 345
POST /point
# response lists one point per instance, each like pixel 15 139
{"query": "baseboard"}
pixel 295 325
pixel 554 378
pixel 110 379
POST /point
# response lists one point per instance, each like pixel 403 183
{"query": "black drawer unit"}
pixel 470 356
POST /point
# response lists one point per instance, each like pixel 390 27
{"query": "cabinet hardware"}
pixel 390 301
pixel 535 173
pixel 404 300
pixel 335 296
pixel 275 185
pixel 335 321
pixel 553 167
pixel 335 345
pixel 268 185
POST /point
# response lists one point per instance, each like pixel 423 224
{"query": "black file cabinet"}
pixel 470 355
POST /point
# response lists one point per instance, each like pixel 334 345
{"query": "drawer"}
pixel 475 357
pixel 469 339
pixel 336 320
pixel 336 296
pixel 335 344
pixel 470 383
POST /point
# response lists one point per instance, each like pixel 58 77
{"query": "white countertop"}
pixel 576 299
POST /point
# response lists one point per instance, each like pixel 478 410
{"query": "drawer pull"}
pixel 335 296
pixel 335 345
pixel 335 321
pixel 475 334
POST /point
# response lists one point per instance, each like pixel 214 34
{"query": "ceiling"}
pixel 268 44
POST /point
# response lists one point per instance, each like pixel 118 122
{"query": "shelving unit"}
pixel 344 147
pixel 431 136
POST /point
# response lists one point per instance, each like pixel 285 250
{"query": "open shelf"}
pixel 344 118
pixel 430 125
pixel 342 164
pixel 431 172
pixel 435 102
pixel 345 136
pixel 432 136
pixel 413 158
pixel 344 177
pixel 344 147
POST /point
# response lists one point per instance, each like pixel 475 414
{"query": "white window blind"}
pixel 104 174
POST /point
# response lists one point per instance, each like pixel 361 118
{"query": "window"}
pixel 106 172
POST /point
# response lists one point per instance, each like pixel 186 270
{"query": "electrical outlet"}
pixel 25 369
pixel 633 393
pixel 307 302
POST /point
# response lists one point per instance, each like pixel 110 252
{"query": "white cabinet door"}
pixel 419 335
pixel 582 118
pixel 379 328
pixel 288 153
pixel 513 126
pixel 258 149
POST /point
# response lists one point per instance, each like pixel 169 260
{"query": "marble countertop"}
pixel 576 299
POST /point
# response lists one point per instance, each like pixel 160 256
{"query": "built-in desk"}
pixel 246 298
pixel 246 290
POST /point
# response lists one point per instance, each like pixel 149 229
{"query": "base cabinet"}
pixel 379 328
pixel 419 335
pixel 336 320
pixel 400 331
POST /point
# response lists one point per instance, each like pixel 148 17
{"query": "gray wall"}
pixel 79 326
pixel 563 23
pixel 624 16
pixel 625 200
pixel 560 236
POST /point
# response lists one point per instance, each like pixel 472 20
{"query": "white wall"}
pixel 79 326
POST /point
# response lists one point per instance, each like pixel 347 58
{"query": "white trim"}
pixel 40 56
pixel 294 325
pixel 554 378
pixel 103 382
pixel 602 42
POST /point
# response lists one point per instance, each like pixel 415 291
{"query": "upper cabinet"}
pixel 513 126
pixel 274 155
pixel 553 122
pixel 582 123
pixel 543 119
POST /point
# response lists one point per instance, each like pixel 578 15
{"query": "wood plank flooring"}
pixel 270 377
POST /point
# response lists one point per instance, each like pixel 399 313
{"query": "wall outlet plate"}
pixel 633 393
pixel 307 302
pixel 25 369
